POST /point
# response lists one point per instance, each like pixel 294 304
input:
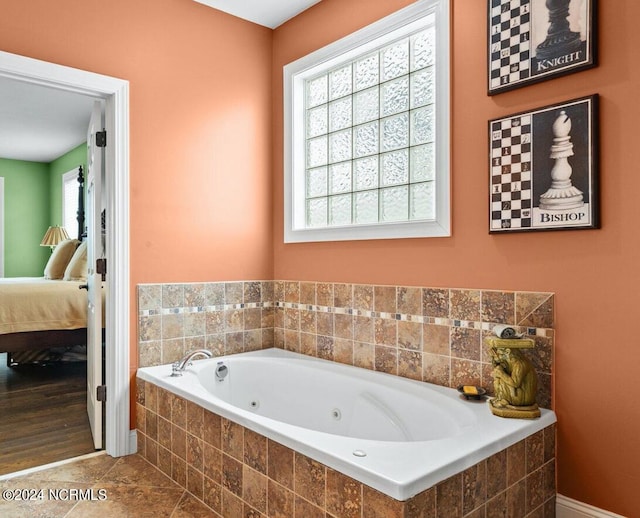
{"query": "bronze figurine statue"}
pixel 514 379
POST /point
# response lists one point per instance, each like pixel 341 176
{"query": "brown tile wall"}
pixel 224 317
pixel 239 473
pixel 428 334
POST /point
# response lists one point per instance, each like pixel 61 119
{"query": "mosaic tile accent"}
pixel 235 472
pixel 428 334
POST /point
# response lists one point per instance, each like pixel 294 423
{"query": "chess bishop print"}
pixel 535 40
pixel 544 168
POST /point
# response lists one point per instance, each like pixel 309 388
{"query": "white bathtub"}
pixel 396 435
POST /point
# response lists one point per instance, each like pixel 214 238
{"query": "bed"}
pixel 39 313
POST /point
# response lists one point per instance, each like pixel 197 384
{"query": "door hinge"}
pixel 101 267
pixel 101 393
pixel 101 138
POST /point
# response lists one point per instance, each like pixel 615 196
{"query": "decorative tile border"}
pixel 203 309
pixel 238 472
pixel 485 326
pixel 428 334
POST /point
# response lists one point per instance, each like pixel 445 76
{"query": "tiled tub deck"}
pixel 239 473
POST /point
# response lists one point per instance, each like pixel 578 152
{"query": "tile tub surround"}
pixel 237 472
pixel 427 334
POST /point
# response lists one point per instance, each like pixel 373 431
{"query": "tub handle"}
pixel 221 371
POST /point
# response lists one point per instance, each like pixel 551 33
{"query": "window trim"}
pixel 68 177
pixel 346 48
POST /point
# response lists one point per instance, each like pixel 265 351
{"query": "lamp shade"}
pixel 53 236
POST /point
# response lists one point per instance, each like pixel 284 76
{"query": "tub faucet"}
pixel 178 367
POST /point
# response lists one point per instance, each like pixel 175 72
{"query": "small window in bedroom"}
pixel 70 203
pixel 367 132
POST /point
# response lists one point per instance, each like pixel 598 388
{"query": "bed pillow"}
pixel 60 258
pixel 77 268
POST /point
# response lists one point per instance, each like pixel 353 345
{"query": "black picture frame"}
pixel 534 40
pixel 543 168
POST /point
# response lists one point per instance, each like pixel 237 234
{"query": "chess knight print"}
pixel 544 168
pixel 534 40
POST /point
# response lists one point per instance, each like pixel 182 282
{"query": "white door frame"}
pixel 115 93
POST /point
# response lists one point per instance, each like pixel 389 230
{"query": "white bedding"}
pixel 39 304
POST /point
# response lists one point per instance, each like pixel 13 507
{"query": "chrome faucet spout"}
pixel 179 366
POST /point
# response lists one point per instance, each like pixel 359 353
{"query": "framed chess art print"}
pixel 535 40
pixel 544 168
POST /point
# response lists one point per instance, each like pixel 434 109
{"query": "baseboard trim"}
pixel 133 442
pixel 569 508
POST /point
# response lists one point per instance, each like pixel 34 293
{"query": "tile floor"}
pixel 133 488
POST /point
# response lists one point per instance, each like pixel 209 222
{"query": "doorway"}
pixel 1 227
pixel 119 440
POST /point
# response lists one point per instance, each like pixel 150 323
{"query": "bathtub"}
pixel 396 435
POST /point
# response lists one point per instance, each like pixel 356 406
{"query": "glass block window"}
pixel 368 133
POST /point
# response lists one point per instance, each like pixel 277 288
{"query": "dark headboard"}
pixel 80 216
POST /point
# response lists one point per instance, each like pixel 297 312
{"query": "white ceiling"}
pixel 269 13
pixel 39 124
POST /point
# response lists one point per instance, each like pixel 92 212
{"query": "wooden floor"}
pixel 43 415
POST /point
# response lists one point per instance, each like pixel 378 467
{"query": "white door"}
pixel 95 251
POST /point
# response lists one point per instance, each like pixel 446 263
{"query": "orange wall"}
pixel 594 273
pixel 206 120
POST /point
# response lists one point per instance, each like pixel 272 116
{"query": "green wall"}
pixel 33 202
pixel 26 217
pixel 71 160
